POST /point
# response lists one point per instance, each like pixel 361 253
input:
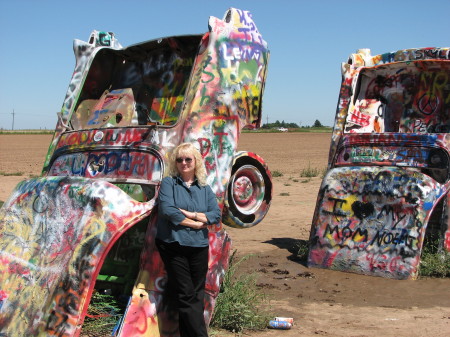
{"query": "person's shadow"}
pixel 298 248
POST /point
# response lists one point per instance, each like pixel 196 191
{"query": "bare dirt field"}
pixel 322 302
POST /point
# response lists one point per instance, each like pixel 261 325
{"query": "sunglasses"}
pixel 187 160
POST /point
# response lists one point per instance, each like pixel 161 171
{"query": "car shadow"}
pixel 298 248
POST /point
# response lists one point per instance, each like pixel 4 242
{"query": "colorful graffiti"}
pixel 50 266
pixel 388 165
pixel 124 112
pixel 101 164
pixel 374 224
pixel 114 108
pixel 84 52
pixel 415 99
pixel 230 74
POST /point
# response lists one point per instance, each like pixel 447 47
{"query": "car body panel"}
pixel 47 269
pixel 373 225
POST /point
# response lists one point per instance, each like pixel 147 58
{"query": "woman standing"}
pixel 186 206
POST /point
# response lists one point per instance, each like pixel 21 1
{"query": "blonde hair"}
pixel 187 149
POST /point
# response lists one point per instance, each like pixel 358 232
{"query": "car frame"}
pixel 385 193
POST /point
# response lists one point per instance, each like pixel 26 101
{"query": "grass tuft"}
pixel 435 262
pixel 284 194
pixel 309 172
pixel 301 250
pixel 105 314
pixel 238 306
pixel 8 174
pixel 277 174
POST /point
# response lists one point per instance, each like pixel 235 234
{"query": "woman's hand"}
pixel 198 225
pixel 193 224
pixel 193 219
pixel 194 215
pixel 187 214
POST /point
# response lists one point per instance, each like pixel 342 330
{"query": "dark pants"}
pixel 186 269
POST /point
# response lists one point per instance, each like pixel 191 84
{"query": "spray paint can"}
pixel 282 325
pixel 285 319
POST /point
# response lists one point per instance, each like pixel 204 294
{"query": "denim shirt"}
pixel 174 194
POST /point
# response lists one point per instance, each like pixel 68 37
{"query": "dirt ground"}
pixel 322 302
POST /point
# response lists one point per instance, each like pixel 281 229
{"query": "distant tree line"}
pixel 283 124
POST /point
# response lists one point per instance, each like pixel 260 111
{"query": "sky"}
pixel 308 41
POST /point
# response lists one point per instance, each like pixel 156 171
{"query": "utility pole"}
pixel 267 119
pixel 13 119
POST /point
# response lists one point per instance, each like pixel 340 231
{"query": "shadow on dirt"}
pixel 298 248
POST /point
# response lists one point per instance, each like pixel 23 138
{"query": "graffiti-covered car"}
pixel 385 194
pixel 87 225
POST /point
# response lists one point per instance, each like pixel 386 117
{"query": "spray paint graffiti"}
pixel 378 217
pixel 118 164
pixel 49 265
pixel 235 61
pixel 388 165
pixel 124 112
pixel 414 100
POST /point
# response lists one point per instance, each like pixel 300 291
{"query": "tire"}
pixel 249 193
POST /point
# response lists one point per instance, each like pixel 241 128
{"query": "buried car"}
pixel 385 194
pixel 87 225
